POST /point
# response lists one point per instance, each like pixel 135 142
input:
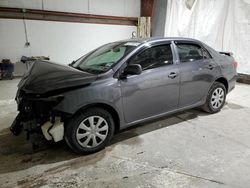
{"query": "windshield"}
pixel 103 58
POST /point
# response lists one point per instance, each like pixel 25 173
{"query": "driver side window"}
pixel 154 57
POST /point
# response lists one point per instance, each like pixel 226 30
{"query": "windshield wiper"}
pixel 94 71
pixel 88 70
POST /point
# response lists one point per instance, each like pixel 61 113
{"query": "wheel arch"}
pixel 220 79
pixel 224 81
pixel 106 107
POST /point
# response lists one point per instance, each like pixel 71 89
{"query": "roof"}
pixel 152 39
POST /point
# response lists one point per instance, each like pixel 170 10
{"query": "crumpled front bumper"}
pixel 34 112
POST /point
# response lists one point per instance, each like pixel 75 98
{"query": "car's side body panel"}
pixel 102 91
pixel 225 63
pixel 148 90
pixel 152 90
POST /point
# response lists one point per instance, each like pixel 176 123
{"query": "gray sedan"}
pixel 118 85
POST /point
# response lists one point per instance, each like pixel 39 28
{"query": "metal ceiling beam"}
pixel 34 14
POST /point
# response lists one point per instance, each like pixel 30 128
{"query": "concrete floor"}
pixel 189 149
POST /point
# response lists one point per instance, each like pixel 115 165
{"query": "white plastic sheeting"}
pixel 222 24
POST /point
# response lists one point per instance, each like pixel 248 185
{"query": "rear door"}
pixel 156 89
pixel 197 72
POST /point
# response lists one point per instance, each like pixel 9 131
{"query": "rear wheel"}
pixel 89 131
pixel 216 98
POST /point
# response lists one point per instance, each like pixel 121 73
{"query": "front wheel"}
pixel 89 131
pixel 216 98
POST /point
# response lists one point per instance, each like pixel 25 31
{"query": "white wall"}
pixel 62 42
pixel 129 8
pixel 222 24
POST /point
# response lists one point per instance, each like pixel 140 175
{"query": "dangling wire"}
pixel 88 7
pixel 42 5
pixel 27 43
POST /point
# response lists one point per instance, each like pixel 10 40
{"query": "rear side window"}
pixel 154 57
pixel 191 52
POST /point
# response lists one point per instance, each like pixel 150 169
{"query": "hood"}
pixel 44 76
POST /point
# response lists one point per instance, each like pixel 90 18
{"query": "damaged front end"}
pixel 36 116
pixel 39 92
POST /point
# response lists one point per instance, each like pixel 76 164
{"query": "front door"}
pixel 156 90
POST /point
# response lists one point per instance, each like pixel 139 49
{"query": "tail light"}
pixel 235 65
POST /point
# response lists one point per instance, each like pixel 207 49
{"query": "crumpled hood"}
pixel 46 76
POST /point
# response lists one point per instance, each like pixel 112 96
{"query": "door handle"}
pixel 209 66
pixel 172 75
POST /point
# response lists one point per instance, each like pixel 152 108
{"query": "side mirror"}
pixel 132 69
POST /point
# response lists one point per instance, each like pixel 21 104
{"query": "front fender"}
pixel 107 92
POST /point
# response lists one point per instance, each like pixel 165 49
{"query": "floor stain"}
pixel 234 106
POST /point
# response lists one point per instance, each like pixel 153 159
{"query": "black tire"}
pixel 72 128
pixel 207 107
